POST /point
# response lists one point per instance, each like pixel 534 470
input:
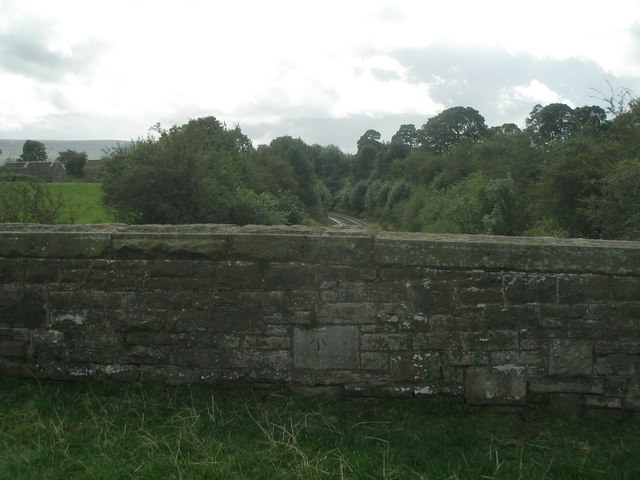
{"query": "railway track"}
pixel 346 220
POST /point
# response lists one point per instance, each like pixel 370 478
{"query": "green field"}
pixel 61 430
pixel 82 202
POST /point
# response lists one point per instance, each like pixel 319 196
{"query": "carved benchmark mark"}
pixel 320 342
pixel 331 346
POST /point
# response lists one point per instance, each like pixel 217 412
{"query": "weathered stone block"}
pixel 268 342
pixel 54 244
pixel 569 385
pixel 149 354
pixel 46 344
pixel 262 247
pixel 490 340
pixel 41 271
pixel 477 295
pixel 288 276
pixel 568 402
pixel 23 307
pixel 430 297
pixel 335 250
pixel 384 342
pixel 617 364
pixel 14 342
pixel 349 313
pixel 583 289
pixel 437 340
pixel 375 361
pixel 518 357
pixel 264 359
pixel 12 270
pixel 415 367
pixel 328 347
pixel 623 345
pixel 498 385
pixel 603 401
pixel 503 316
pixel 531 288
pixel 570 356
pixel 342 273
pixel 625 289
pixel 632 397
pixel 170 244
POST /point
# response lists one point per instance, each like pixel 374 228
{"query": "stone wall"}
pixel 487 320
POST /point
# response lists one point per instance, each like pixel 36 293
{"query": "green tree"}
pixel 33 151
pixel 190 174
pixel 406 135
pixel 589 120
pixel 370 137
pixel 302 159
pixel 73 162
pixel 617 211
pixel 332 167
pixel 570 180
pixel 505 215
pixel 446 129
pixel 550 123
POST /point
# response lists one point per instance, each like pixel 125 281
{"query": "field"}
pixel 92 430
pixel 82 202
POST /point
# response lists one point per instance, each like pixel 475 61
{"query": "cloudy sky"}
pixel 323 71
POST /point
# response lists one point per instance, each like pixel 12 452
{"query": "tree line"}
pixel 569 172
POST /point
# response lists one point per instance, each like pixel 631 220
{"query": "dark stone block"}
pixel 26 308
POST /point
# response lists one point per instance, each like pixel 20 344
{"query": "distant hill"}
pixel 12 149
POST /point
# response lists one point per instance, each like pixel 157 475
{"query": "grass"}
pixel 82 202
pixel 101 430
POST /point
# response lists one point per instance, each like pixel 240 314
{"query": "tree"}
pixel 406 135
pixel 446 129
pixel 33 151
pixel 370 137
pixel 332 166
pixel 588 120
pixel 550 123
pixel 73 162
pixel 617 212
pixel 190 174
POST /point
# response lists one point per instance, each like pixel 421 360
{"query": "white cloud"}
pixel 535 92
pixel 275 62
pixel 538 92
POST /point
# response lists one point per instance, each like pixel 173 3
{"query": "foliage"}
pixel 73 162
pixel 571 172
pixel 33 151
pixel 25 200
pixel 558 122
pixel 617 211
pixel 443 131
pixel 202 172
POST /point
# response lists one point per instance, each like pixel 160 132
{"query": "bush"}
pixel 25 200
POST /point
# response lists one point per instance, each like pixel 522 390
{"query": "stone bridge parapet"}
pixel 485 320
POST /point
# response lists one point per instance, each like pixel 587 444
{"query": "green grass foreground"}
pixel 109 431
pixel 82 202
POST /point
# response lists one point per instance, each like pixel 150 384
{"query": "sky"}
pixel 322 71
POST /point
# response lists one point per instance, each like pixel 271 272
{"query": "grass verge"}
pixel 100 430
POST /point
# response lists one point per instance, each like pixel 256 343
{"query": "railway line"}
pixel 346 220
